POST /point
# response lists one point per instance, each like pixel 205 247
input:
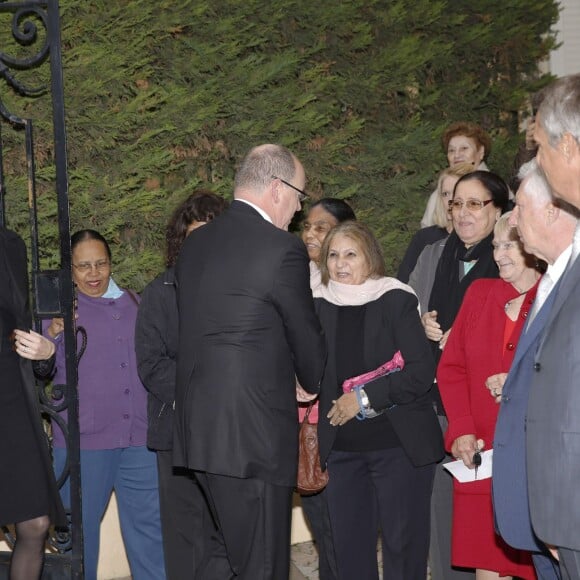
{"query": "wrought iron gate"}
pixel 30 43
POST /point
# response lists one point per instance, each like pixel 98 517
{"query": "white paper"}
pixel 465 475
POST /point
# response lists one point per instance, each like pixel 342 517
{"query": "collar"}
pixel 258 209
pixel 556 269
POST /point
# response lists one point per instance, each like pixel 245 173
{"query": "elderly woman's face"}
pixel 472 225
pixel 346 261
pixel 91 268
pixel 462 149
pixel 509 258
pixel 315 228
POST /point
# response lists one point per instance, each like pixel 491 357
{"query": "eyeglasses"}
pixel 302 195
pixel 470 204
pixel 100 265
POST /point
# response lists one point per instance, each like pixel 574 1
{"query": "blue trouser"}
pixel 132 473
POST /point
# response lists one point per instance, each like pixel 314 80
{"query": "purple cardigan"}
pixel 112 399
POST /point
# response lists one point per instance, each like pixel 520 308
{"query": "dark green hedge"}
pixel 166 96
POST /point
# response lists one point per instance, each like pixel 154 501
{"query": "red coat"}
pixel 474 351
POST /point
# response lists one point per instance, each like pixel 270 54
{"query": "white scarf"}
pixel 358 294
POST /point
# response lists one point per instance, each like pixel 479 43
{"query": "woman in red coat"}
pixel 482 343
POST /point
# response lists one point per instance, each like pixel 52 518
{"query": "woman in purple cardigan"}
pixel 112 414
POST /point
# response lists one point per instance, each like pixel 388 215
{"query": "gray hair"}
pixel 536 185
pixel 261 164
pixel 560 110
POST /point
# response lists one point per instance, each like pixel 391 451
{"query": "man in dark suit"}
pixel 553 420
pixel 546 231
pixel 248 331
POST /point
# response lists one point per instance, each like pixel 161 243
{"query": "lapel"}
pixel 530 334
pixel 567 284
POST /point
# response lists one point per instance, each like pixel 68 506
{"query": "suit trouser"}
pixel 546 567
pixel 372 490
pixel 441 520
pixel 316 510
pixel 249 535
pixel 569 564
pixel 132 473
pixel 182 507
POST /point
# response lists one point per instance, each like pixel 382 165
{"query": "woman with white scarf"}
pixel 381 467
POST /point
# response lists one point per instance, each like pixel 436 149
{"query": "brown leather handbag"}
pixel 311 478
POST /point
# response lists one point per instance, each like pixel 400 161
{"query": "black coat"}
pixel 247 328
pixel 156 335
pixel 391 323
pixel 13 273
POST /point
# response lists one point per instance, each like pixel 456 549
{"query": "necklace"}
pixel 510 302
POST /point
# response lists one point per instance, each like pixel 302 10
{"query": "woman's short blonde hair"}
pixel 441 211
pixel 369 246
pixel 502 227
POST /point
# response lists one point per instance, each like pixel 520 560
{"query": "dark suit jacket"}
pixel 247 327
pixel 391 323
pixel 509 484
pixel 553 421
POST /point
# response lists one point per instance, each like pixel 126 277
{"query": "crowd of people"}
pixel 188 394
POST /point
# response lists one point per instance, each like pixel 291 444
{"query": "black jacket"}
pixel 247 329
pixel 156 335
pixel 391 323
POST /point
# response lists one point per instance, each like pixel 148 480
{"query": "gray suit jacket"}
pixel 509 486
pixel 553 421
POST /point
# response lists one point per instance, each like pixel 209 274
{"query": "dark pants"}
pixel 546 567
pixel 373 490
pixel 569 564
pixel 182 508
pixel 315 508
pixel 441 519
pixel 249 536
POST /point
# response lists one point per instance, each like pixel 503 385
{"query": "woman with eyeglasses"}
pixel 443 225
pixel 323 216
pixel 441 278
pixel 112 414
pixel 477 356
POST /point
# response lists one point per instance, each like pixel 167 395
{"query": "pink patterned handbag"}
pixel 395 364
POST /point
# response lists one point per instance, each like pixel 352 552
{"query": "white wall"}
pixel 566 60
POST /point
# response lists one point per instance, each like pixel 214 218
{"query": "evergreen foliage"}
pixel 163 97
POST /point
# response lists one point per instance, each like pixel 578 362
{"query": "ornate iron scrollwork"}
pixel 34 42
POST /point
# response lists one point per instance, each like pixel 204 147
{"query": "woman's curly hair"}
pixel 201 206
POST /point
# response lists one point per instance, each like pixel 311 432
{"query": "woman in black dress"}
pixel 28 495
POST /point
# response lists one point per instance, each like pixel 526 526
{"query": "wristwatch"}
pixel 364 399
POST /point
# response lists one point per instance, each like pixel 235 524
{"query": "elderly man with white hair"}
pixel 553 417
pixel 546 231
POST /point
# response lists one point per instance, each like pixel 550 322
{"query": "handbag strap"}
pixel 310 405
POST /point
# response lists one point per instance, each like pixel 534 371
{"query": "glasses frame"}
pixel 89 266
pixel 302 195
pixel 459 203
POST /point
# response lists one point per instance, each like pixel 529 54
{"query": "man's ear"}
pixel 275 191
pixel 569 147
pixel 552 212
